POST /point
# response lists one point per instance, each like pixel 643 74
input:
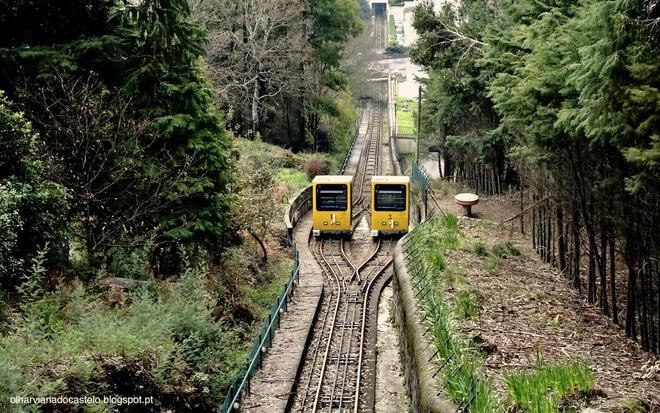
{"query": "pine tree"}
pixel 163 53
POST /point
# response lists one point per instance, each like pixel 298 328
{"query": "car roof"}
pixel 393 179
pixel 333 179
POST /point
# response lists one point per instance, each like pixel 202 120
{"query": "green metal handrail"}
pixel 241 383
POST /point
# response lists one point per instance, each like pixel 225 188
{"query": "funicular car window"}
pixel 331 197
pixel 390 197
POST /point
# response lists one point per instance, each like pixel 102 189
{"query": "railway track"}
pixel 333 378
pixel 338 372
pixel 370 157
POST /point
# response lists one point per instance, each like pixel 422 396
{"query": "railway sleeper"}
pixel 354 299
pixel 336 401
pixel 348 326
pixel 344 358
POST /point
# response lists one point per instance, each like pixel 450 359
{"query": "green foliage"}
pixel 33 23
pixel 341 125
pixel 32 211
pixel 34 284
pixel 152 52
pixel 543 390
pixel 406 117
pixel 128 262
pixel 16 143
pixel 164 79
pixel 365 9
pixel 167 333
pixel 334 23
pixel 506 249
pixel 480 249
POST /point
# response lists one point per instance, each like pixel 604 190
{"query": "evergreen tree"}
pixel 163 54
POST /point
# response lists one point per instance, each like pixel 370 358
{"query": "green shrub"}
pixel 129 263
pixel 504 250
pixel 396 49
pixel 33 212
pixel 168 334
pixel 315 167
pixel 11 260
pixel 3 311
pixel 480 249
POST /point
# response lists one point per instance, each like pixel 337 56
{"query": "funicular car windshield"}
pixel 331 197
pixel 390 197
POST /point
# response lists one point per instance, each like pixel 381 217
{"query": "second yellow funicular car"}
pixel 331 196
pixel 390 203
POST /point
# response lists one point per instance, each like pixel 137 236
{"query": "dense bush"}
pixel 166 342
pixel 32 211
pixel 315 167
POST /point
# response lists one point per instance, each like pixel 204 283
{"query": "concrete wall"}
pixel 424 390
pixel 406 145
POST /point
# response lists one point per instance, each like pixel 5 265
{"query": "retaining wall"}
pixel 424 390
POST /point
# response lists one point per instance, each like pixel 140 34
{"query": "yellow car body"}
pixel 390 205
pixel 331 205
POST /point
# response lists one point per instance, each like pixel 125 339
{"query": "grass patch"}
pixel 548 388
pixel 406 117
pixel 267 292
pixel 392 31
pixel 485 224
pixel 505 250
pixel 480 249
pixel 449 188
pixel 297 179
pixel 492 265
pixel 633 406
pixel 463 376
pixel 467 305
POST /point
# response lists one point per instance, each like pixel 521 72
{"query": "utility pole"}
pixel 419 121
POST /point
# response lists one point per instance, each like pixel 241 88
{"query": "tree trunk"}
pixel 261 244
pixel 576 251
pixel 631 303
pixel 522 208
pixel 603 271
pixel 255 108
pixel 615 311
pixel 561 240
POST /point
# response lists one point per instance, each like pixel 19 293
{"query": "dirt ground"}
pixel 527 310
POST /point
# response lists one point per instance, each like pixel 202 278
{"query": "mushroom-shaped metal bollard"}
pixel 466 200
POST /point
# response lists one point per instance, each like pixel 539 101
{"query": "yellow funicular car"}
pixel 390 205
pixel 332 204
